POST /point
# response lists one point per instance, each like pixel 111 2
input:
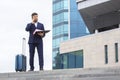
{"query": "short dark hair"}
pixel 34 14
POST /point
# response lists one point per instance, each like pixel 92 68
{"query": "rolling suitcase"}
pixel 20 59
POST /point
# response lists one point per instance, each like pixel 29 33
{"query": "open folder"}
pixel 43 31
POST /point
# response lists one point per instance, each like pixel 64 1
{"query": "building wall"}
pixel 93 47
pixel 100 14
pixel 89 3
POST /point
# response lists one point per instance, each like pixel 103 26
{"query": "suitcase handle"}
pixel 24 46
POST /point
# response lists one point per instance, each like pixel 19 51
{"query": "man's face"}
pixel 35 18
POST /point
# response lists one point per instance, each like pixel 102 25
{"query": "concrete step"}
pixel 112 73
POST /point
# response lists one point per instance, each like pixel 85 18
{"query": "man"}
pixel 35 41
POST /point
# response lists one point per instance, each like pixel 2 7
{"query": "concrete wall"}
pixel 99 13
pixel 93 48
pixel 108 19
pixel 89 3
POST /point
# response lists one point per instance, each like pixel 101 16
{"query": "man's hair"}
pixel 34 14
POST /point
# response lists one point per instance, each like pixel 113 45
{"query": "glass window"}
pixel 65 4
pixel 61 39
pixel 54 43
pixel 54 20
pixel 60 18
pixel 53 59
pixel 116 52
pixel 57 41
pixel 65 38
pixel 106 54
pixel 58 6
pixel 65 16
pixel 54 31
pixel 73 59
pixel 54 8
pixel 66 28
pixel 79 59
pixel 65 61
pixel 58 30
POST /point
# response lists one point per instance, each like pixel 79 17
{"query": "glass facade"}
pixel 77 25
pixel 60 29
pixel 67 24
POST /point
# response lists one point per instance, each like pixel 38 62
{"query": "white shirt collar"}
pixel 36 24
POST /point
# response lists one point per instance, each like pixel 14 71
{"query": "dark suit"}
pixel 35 41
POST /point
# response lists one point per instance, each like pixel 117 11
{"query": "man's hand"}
pixel 41 34
pixel 33 22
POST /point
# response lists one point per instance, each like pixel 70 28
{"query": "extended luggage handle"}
pixel 24 46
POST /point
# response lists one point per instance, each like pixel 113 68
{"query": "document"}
pixel 40 31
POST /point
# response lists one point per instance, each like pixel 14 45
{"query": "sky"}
pixel 14 16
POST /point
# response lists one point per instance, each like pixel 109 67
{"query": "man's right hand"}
pixel 33 22
pixel 41 34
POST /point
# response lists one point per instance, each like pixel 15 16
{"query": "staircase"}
pixel 66 74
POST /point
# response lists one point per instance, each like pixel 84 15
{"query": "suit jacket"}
pixel 31 28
